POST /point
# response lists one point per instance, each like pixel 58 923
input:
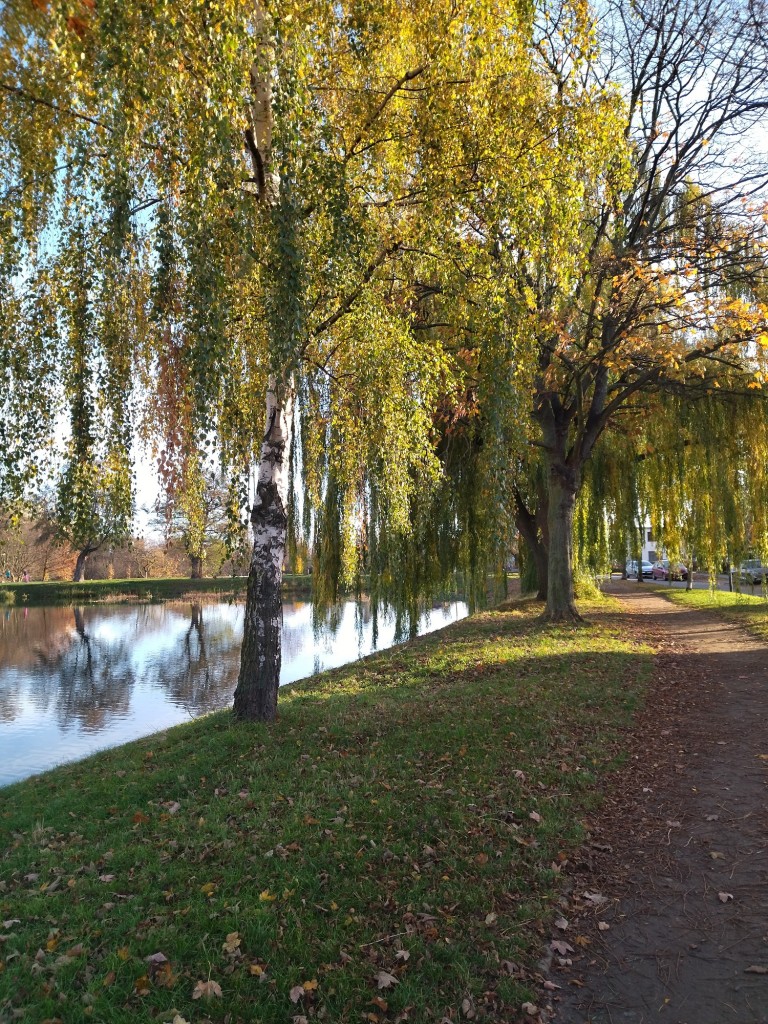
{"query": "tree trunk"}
pixel 79 572
pixel 563 486
pixel 260 657
pixel 533 529
pixel 539 557
pixel 196 564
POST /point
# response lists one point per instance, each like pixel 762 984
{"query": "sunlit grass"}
pixel 408 814
pixel 749 610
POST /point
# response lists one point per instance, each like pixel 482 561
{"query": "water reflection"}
pixel 74 680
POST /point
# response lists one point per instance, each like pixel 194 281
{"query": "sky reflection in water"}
pixel 76 680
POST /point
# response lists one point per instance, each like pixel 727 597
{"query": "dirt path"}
pixel 680 850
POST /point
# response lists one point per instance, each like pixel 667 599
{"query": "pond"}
pixel 76 680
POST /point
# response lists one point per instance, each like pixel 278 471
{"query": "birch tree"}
pixel 254 197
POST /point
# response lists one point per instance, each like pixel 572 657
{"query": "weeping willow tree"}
pixel 661 301
pixel 694 470
pixel 229 216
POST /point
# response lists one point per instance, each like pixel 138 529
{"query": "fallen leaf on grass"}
pixel 206 990
pixel 267 897
pixel 384 979
pixel 530 1008
pixel 109 979
pixel 142 985
pixel 232 942
pixel 296 993
pixel 402 954
pixel 140 818
pixel 208 889
pixel 491 918
pixel 534 816
pixel 10 923
pixel 725 896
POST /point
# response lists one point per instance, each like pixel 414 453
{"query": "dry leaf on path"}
pixel 561 947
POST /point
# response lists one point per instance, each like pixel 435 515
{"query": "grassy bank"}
pixel 749 610
pixel 95 591
pixel 389 850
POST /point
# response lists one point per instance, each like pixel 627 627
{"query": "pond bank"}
pixel 390 849
pixel 96 591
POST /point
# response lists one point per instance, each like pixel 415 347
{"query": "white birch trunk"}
pixel 261 653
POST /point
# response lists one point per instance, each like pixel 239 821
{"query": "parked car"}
pixel 632 570
pixel 662 570
pixel 753 571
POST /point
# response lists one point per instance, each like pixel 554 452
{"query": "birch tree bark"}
pixel 261 653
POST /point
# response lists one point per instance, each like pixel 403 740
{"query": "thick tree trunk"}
pixel 196 567
pixel 563 486
pixel 532 527
pixel 260 657
pixel 79 572
pixel 539 556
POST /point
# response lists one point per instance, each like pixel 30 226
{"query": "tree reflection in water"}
pixel 199 673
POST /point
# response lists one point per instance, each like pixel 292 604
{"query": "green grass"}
pixel 748 610
pixel 407 814
pixel 94 591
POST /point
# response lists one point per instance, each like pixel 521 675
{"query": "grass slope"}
pixel 388 851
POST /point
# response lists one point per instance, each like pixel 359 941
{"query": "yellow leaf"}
pixel 267 897
pixel 208 889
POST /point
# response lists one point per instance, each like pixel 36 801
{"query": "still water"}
pixel 76 680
